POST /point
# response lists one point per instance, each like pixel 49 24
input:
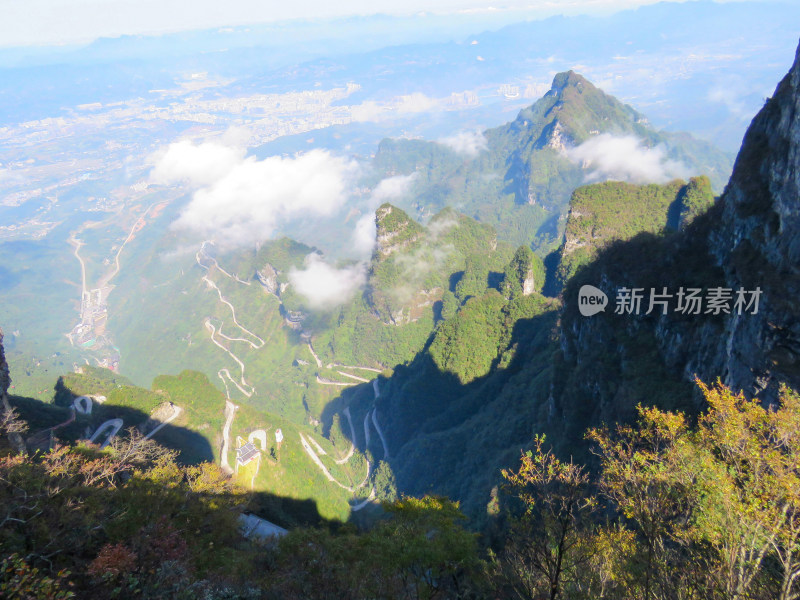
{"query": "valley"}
pixel 333 290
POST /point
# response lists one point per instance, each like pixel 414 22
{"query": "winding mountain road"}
pixel 176 410
pixel 113 426
pixel 356 377
pixel 216 264
pixel 322 381
pixel 241 387
pixel 380 433
pixel 310 451
pixel 314 457
pixel 314 354
pixel 230 411
pixel 222 299
pixel 366 429
pixel 347 456
pixel 363 503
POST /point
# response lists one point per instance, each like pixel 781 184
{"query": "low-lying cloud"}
pixel 391 188
pixel 324 286
pixel 364 235
pixel 387 190
pixel 467 143
pixel 402 105
pixel 196 165
pixel 625 158
pixel 242 201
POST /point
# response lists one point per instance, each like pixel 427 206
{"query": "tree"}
pixel 713 505
pixel 428 550
pixel 524 275
pixel 550 541
pixel 474 281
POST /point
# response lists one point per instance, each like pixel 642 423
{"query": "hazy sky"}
pixel 36 22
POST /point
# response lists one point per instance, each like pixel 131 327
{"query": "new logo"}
pixel 591 300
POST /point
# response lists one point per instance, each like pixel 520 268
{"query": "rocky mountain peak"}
pixel 395 230
pixel 570 79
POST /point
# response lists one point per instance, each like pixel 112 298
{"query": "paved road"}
pixel 322 381
pixel 364 503
pixel 380 433
pixel 230 411
pixel 210 326
pixel 176 410
pixel 356 377
pixel 113 426
pixel 347 456
pixel 310 451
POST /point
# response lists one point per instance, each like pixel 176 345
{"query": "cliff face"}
pixel 5 379
pixel 750 239
pixel 758 245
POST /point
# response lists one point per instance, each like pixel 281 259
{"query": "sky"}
pixel 57 22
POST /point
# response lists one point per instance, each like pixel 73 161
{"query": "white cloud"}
pixel 196 165
pixel 391 188
pixel 325 286
pixel 369 111
pixel 625 158
pixel 416 103
pixel 415 267
pixel 468 143
pixel 440 227
pixel 733 94
pixel 248 202
pixel 403 105
pixel 388 189
pixel 364 235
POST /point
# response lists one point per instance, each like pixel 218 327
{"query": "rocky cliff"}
pixel 757 244
pixel 749 240
pixel 5 379
pixel 5 382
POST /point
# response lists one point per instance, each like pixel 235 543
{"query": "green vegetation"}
pixel 289 473
pixel 196 434
pixel 466 345
pixel 697 197
pixel 524 275
pixel 524 171
pixel 129 522
pixel 602 213
pixel 704 512
pixel 709 510
pixel 409 280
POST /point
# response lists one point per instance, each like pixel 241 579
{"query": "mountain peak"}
pixel 395 229
pixel 570 79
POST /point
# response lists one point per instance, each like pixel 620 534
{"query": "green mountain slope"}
pixel 522 181
pixel 197 433
pixel 605 212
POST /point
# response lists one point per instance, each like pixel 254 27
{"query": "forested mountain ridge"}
pixel 747 241
pixel 689 491
pixel 525 166
pixel 562 372
pixel 616 210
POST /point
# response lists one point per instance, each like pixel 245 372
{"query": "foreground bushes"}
pixel 673 510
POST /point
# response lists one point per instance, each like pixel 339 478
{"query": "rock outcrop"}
pixel 749 240
pixel 396 231
pixel 268 277
pixel 5 378
pixel 5 382
pixel 758 245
